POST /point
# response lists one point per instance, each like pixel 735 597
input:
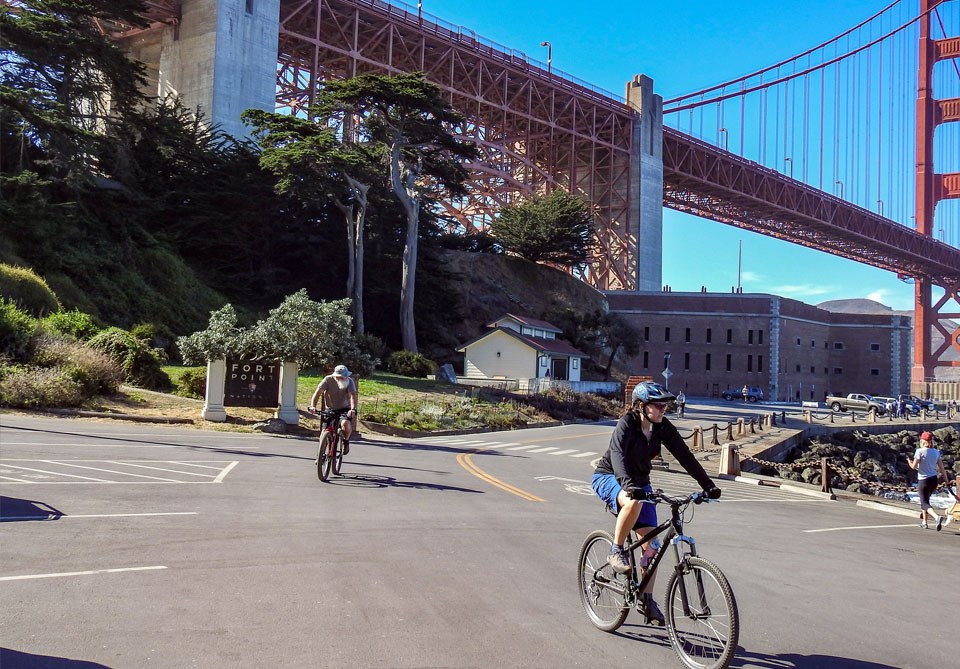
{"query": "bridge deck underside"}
pixel 536 131
pixel 702 180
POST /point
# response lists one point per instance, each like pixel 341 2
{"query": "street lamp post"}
pixel 880 207
pixel 666 371
pixel 788 162
pixel 726 138
pixel 840 183
pixel 549 55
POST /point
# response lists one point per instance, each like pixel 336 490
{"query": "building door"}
pixel 559 369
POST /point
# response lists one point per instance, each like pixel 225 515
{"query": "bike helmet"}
pixel 648 391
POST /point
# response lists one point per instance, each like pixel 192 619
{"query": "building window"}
pixel 838 370
pixel 646 360
pixel 646 333
pixel 874 372
pixel 686 361
pixel 729 361
pixel 707 365
pixel 666 334
pixel 812 343
pixel 812 370
pixel 729 336
pixel 749 336
pixel 826 371
pixel 709 337
pixel 798 341
pixel 249 6
pixel 838 345
pixel 749 363
pixel 798 368
pixel 760 337
pixel 575 363
pixel 759 363
pixel 826 344
pixel 874 347
pixel 686 336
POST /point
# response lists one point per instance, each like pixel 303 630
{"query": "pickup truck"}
pixel 857 402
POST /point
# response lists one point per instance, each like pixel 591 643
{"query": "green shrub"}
pixel 139 362
pixel 373 346
pixel 16 329
pixel 74 323
pixel 27 290
pixel 30 387
pixel 192 383
pixel 407 363
pixel 94 371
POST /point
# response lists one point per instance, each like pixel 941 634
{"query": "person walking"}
pixel 681 403
pixel 929 465
pixel 745 391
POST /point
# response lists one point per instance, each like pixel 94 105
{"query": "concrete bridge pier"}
pixel 646 177
pixel 221 58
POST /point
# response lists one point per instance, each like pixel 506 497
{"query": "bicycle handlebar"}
pixel 658 496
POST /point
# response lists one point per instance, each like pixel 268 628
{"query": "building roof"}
pixel 529 322
pixel 539 344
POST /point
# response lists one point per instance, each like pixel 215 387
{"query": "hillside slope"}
pixel 490 286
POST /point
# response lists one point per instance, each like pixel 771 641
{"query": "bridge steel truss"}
pixel 536 131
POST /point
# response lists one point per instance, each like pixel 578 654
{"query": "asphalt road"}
pixel 132 546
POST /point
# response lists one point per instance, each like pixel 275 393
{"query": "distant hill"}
pixel 860 306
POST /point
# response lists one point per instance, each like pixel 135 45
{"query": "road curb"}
pixel 880 506
pixel 121 416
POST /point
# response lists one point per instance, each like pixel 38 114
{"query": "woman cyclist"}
pixel 622 477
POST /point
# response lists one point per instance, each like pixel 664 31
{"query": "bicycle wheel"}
pixel 324 461
pixel 601 588
pixel 338 456
pixel 706 636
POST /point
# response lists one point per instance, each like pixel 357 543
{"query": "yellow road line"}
pixel 467 463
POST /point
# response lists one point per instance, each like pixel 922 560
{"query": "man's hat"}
pixel 341 370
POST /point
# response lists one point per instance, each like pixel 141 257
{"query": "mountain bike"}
pixel 701 612
pixel 330 452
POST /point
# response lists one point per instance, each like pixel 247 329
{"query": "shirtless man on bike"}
pixel 338 391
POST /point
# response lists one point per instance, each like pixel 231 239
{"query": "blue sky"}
pixel 686 45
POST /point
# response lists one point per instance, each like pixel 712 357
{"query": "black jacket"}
pixel 629 454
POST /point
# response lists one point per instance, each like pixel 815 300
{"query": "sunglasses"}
pixel 659 405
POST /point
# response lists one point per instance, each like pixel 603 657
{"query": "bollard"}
pixel 760 423
pixel 872 415
pixel 716 441
pixel 923 413
pixel 697 438
pixel 730 431
pixel 808 416
pixel 729 460
pixel 853 416
pixel 831 416
pixel 740 428
pixel 752 428
pixel 825 476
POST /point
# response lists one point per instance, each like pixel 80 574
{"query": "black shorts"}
pixel 926 487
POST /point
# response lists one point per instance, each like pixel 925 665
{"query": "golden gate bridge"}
pixel 846 148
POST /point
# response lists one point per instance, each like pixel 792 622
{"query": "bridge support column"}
pixel 646 182
pixel 221 58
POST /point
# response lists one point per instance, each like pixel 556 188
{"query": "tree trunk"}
pixel 356 247
pixel 613 354
pixel 402 181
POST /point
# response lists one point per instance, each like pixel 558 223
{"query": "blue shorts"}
pixel 607 488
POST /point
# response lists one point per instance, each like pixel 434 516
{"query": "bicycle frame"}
pixel 672 529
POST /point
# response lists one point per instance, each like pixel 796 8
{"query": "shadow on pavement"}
pixel 15 659
pixel 13 509
pixel 376 481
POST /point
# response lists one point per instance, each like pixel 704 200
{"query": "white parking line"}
pixel 859 527
pixel 111 471
pixel 583 455
pixel 545 449
pixel 573 450
pixel 159 469
pixel 523 448
pixel 79 573
pixel 43 471
pixel 225 471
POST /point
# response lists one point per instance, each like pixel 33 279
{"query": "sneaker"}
pixel 346 447
pixel 618 560
pixel 652 611
pixel 947 520
pixel 939 523
pixel 923 525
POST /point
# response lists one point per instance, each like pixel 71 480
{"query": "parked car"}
pixel 754 394
pixel 891 403
pixel 857 402
pixel 929 405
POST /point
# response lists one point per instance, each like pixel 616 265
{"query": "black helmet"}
pixel 648 391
